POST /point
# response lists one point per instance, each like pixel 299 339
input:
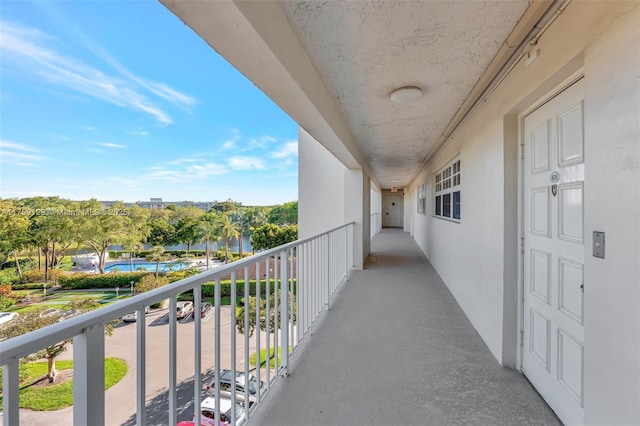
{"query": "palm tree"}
pixel 156 254
pixel 256 217
pixel 229 230
pixel 244 224
pixel 207 230
pixel 132 246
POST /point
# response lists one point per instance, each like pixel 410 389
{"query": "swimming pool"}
pixel 146 266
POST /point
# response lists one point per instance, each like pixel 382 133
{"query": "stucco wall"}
pixel 330 195
pixel 612 194
pixel 375 207
pixel 321 188
pixel 602 39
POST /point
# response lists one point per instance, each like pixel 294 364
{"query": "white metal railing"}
pixel 312 269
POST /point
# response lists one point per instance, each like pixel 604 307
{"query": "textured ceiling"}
pixel 363 50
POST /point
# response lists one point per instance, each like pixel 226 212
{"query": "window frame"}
pixel 422 197
pixel 448 183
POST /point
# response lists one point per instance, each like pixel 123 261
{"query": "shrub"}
pixel 25 263
pixel 208 289
pixel 6 298
pixel 28 286
pixel 36 276
pixel 83 280
pixel 150 282
pixel 8 276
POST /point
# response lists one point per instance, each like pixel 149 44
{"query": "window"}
pixel 447 192
pixel 422 198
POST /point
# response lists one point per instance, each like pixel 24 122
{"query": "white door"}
pixel 393 211
pixel 553 341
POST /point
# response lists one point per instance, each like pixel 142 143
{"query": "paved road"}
pixel 120 400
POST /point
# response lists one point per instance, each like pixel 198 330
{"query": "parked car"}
pixel 208 410
pixel 184 309
pixel 205 308
pixel 133 316
pixel 7 316
pixel 225 384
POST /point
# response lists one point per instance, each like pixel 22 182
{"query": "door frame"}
pixel 385 195
pixel 573 79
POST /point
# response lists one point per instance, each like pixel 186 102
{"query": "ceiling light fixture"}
pixel 405 94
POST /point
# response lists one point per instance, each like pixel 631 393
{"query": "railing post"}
pixel 197 362
pixel 284 315
pixel 11 393
pixel 141 367
pixel 88 377
pixel 173 360
pixel 328 271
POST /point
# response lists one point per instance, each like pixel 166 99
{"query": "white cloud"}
pixel 186 174
pixel 289 149
pixel 112 145
pixel 16 146
pixel 184 160
pixel 246 163
pixel 229 145
pixel 17 153
pixel 139 133
pixel 261 142
pixel 26 49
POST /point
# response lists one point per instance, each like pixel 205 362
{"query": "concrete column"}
pixel 357 195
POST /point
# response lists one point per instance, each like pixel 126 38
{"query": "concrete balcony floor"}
pixel 396 349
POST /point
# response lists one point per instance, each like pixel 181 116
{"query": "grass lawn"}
pixel 55 397
pixel 59 299
pixel 273 362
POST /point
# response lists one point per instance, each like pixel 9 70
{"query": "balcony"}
pixel 384 345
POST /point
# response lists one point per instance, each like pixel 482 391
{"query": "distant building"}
pixel 159 204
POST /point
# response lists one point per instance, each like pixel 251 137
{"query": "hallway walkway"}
pixel 396 349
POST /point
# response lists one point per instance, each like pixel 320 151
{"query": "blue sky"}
pixel 121 101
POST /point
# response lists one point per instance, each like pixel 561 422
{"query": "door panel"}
pixel 393 211
pixel 553 185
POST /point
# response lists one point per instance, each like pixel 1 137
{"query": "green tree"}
pixel 228 230
pixel 273 316
pixel 270 236
pixel 101 228
pixel 156 254
pixel 186 219
pixel 284 214
pixel 244 226
pixel 53 225
pixel 133 246
pixel 208 230
pixel 14 232
pixel 226 206
pixel 34 320
pixel 161 232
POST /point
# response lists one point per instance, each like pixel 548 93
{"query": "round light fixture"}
pixel 405 94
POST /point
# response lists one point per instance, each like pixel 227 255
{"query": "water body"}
pixel 146 266
pixel 233 246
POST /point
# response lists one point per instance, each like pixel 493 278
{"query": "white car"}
pixel 7 316
pixel 184 309
pixel 208 410
pixel 133 316
pixel 226 381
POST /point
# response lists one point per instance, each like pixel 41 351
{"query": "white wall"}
pixel 375 207
pixel 603 40
pixel 612 194
pixel 321 188
pixel 330 195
